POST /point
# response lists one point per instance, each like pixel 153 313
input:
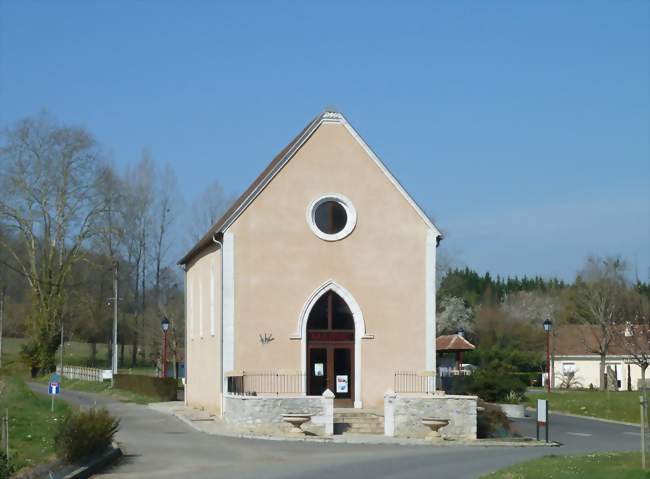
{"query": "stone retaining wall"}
pixel 263 414
pixel 403 415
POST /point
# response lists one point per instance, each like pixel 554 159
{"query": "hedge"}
pixel 161 388
pixel 530 378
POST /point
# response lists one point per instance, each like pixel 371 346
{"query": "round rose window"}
pixel 331 217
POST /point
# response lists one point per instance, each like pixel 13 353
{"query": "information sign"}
pixel 341 384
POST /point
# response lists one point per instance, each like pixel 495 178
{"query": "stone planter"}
pixel 513 410
pixel 435 424
pixel 296 420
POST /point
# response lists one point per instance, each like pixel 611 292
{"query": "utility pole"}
pixel 115 299
pixel 2 317
pixel 61 347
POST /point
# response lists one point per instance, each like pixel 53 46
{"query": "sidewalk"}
pixel 205 423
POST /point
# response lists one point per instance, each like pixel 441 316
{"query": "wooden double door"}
pixel 330 349
pixel 331 366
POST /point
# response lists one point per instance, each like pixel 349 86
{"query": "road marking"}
pixel 632 433
pixel 581 434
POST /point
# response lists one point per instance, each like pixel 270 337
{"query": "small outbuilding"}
pixel 450 349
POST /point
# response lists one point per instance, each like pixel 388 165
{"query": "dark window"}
pixel 341 314
pixel 330 217
pixel 331 312
pixel 318 318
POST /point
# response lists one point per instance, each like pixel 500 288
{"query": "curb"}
pixel 591 418
pixel 96 464
pixel 379 441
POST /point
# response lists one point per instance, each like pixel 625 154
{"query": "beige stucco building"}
pixel 320 276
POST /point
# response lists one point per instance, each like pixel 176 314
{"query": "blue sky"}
pixel 521 127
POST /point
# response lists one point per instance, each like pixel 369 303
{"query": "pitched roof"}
pixel 276 165
pixel 582 339
pixel 453 342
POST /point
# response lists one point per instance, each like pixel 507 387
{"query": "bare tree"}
pixel 634 336
pixel 48 177
pixel 600 300
pixel 206 209
pixel 137 217
pixel 110 236
pixel 167 200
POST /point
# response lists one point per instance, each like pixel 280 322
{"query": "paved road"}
pixel 161 446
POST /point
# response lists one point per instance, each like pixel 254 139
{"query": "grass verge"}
pixel 607 465
pixel 620 406
pixel 31 423
pixel 76 353
pixel 101 388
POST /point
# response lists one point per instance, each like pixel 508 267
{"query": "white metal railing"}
pixel 444 371
pixel 84 374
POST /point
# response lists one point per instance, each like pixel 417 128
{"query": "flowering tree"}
pixel 455 315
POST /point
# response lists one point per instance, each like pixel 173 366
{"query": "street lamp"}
pixel 548 325
pixel 164 324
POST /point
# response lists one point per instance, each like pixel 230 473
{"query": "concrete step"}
pixel 356 421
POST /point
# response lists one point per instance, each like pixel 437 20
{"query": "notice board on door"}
pixel 342 384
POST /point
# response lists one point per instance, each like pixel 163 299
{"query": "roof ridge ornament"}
pixel 332 116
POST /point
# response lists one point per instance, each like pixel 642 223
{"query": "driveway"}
pixel 161 446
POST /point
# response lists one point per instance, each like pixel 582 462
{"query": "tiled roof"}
pixel 453 342
pixel 221 222
pixel 582 339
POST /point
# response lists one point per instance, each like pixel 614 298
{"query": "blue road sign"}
pixel 54 388
pixel 55 378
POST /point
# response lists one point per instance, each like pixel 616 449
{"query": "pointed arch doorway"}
pixel 331 349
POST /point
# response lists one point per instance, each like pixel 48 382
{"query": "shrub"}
pixel 6 468
pixel 461 385
pixel 531 378
pixel 513 397
pixel 29 357
pixel 520 360
pixel 491 422
pixel 494 383
pixel 162 388
pixel 85 432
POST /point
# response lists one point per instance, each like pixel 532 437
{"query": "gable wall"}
pixel 279 262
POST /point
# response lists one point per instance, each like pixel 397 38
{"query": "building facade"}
pixel 321 276
pixel 576 363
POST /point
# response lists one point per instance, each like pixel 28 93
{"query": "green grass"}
pixel 621 405
pixel 31 422
pixel 77 353
pixel 606 465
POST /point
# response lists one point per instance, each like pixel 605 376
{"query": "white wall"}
pixel 587 370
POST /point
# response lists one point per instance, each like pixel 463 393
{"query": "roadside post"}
pixel 542 417
pixel 643 406
pixel 54 387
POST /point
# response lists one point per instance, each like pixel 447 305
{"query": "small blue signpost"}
pixel 54 387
